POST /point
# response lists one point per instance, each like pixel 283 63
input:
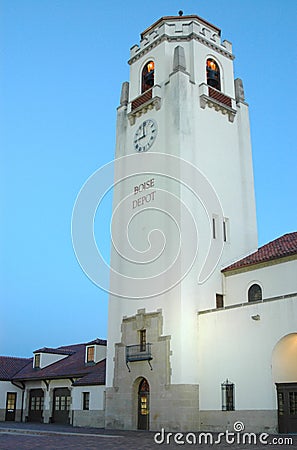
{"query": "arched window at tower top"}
pixel 148 76
pixel 213 74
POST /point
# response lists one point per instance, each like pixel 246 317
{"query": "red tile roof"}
pixel 73 366
pixel 94 377
pixel 10 366
pixel 282 247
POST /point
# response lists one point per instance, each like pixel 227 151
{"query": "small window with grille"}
pixel 227 396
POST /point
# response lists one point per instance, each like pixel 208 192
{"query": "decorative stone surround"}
pixel 215 99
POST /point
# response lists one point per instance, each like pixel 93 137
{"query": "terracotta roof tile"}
pixel 284 246
pixel 10 366
pixel 95 376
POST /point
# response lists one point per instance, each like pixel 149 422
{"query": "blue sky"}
pixel 62 66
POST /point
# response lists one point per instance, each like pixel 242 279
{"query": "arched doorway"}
pixel 284 373
pixel 143 405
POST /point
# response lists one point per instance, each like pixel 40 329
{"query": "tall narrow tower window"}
pixel 148 76
pixel 142 340
pixel 213 74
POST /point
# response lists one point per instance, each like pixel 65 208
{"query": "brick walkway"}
pixel 23 436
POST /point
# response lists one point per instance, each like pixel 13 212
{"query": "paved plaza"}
pixel 26 436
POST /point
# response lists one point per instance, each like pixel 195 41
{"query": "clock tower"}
pixel 183 208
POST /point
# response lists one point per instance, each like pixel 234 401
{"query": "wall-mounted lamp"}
pixel 256 317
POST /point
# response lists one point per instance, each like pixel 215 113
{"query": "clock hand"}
pixel 143 134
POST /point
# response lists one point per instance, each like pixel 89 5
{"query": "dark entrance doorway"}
pixel 10 406
pixel 61 406
pixel 36 405
pixel 287 407
pixel 143 405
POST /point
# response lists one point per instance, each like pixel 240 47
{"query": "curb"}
pixel 55 433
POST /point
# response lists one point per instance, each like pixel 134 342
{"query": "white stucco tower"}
pixel 183 130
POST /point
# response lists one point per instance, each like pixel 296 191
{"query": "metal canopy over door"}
pixel 61 406
pixel 143 405
pixel 10 406
pixel 287 407
pixel 36 405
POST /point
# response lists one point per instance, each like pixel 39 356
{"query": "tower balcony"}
pixel 211 97
pixel 148 100
pixel 138 353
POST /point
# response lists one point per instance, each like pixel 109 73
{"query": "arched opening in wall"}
pixel 213 76
pixel 284 375
pixel 148 76
pixel 255 293
pixel 143 405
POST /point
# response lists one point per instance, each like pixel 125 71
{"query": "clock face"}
pixel 145 135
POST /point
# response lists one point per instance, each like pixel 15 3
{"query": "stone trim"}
pixel 153 103
pixel 217 100
pixel 239 305
pixel 189 37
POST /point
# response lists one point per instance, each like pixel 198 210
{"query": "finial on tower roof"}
pixel 180 12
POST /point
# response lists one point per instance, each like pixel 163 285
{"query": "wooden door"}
pixel 10 406
pixel 61 406
pixel 36 405
pixel 287 407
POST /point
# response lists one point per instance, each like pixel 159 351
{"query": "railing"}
pixel 216 99
pixel 143 98
pixel 138 353
pixel 217 95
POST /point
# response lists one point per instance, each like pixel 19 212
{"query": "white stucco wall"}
pixel 7 386
pixel 186 130
pixel 275 280
pixel 96 397
pixel 232 345
pixel 49 358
